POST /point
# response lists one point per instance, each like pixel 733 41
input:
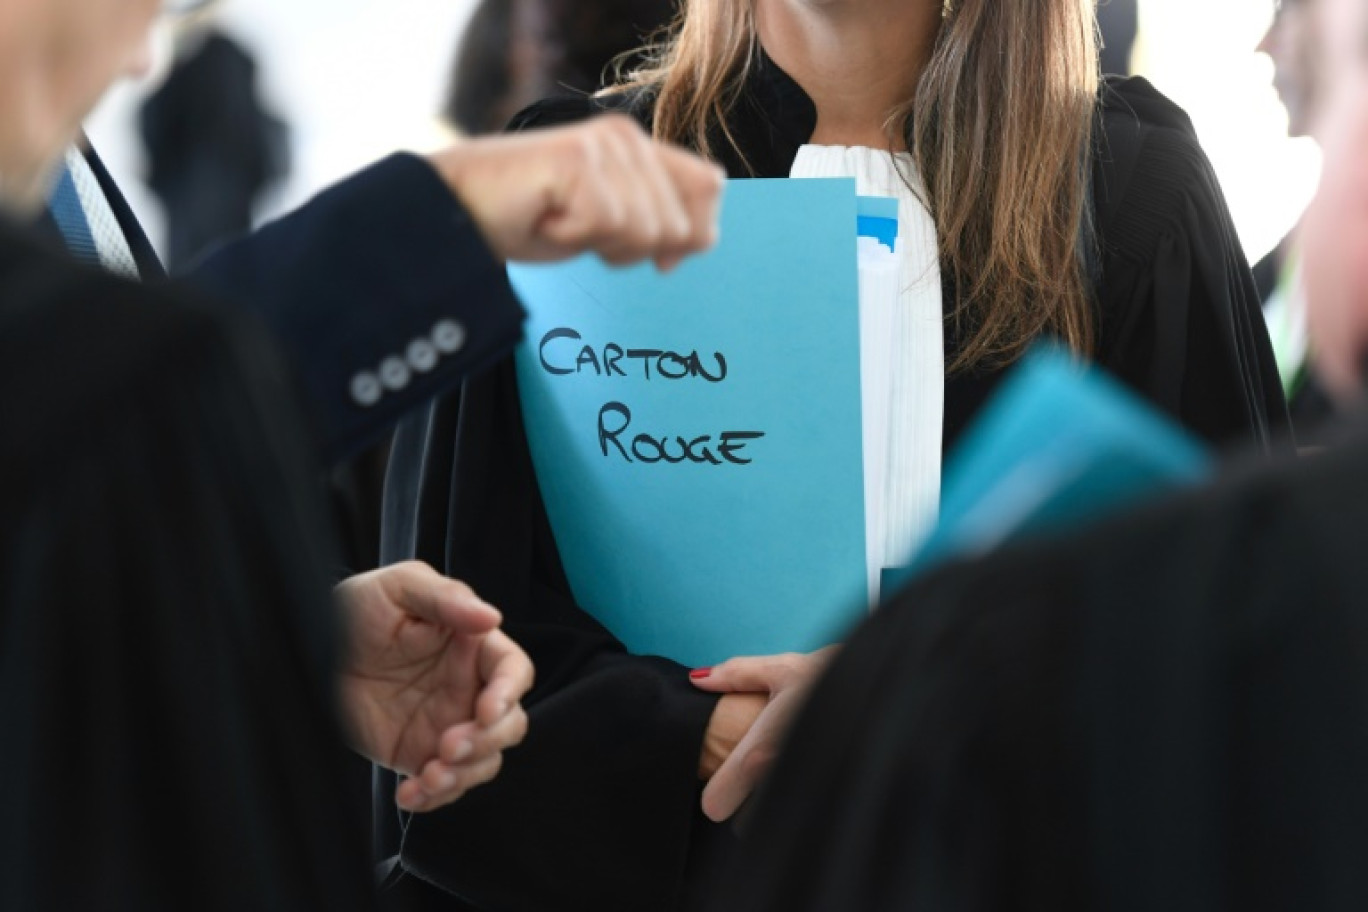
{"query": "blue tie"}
pixel 65 206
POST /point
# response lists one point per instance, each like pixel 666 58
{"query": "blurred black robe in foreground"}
pixel 1169 712
pixel 168 736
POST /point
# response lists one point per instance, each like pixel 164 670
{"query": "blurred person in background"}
pixel 1043 203
pixel 1294 43
pixel 212 148
pixel 1118 21
pixel 174 679
pixel 515 52
pixel 1169 709
pixel 1335 230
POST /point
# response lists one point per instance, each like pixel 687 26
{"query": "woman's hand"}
pixel 762 696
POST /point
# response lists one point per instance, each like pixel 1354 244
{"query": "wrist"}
pixel 450 165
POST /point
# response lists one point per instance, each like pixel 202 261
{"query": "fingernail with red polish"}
pixel 699 674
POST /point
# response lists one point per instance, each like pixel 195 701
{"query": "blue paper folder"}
pixel 697 435
pixel 1059 445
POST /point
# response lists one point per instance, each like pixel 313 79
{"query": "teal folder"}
pixel 1058 446
pixel 697 435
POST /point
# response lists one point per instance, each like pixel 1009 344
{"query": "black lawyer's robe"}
pixel 168 650
pixel 1165 711
pixel 600 805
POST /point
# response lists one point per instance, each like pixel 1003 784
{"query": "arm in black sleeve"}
pixel 382 293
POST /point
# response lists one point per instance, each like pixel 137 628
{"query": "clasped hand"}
pixel 761 697
pixel 431 686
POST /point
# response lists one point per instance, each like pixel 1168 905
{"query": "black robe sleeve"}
pixel 167 647
pixel 1180 316
pixel 1165 711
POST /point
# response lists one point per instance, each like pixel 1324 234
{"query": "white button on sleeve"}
pixel 394 373
pixel 366 389
pixel 422 355
pixel 449 337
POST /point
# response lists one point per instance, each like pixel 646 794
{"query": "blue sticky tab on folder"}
pixel 877 217
pixel 697 435
pixel 879 207
pixel 1059 445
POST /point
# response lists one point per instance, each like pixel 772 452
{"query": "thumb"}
pixel 427 595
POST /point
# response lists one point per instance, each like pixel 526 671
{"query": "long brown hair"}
pixel 1000 129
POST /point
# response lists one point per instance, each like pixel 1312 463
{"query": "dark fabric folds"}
pixel 167 647
pixel 1169 711
pixel 1181 317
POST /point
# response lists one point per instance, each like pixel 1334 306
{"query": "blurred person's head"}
pixel 57 58
pixel 1292 42
pixel 1335 230
pixel 516 52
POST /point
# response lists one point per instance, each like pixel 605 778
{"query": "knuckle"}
pixel 621 124
pixel 463 781
pixel 615 218
pixel 520 727
pixel 615 243
pixel 789 667
pixel 652 232
pixel 487 772
pixel 461 589
pixel 583 152
pixel 679 230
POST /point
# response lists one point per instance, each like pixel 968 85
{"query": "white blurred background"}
pixel 355 79
pixel 1201 54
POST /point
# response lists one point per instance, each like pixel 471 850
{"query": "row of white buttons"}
pixel 368 387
